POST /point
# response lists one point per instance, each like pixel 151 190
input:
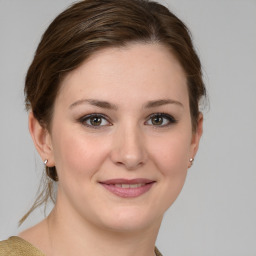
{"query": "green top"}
pixel 16 246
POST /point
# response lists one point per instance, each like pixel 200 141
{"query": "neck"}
pixel 71 235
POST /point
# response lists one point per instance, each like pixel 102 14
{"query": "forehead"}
pixel 136 70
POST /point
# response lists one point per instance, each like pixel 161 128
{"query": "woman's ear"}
pixel 42 139
pixel 196 136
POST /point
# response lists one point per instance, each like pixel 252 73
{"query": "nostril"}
pixel 130 165
pixel 128 151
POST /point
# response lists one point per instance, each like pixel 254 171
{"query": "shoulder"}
pixel 157 252
pixel 7 247
pixel 16 246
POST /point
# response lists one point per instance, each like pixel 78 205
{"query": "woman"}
pixel 113 95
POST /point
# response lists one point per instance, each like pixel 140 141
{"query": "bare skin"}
pixel 123 114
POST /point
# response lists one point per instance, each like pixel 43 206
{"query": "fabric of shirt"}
pixel 16 246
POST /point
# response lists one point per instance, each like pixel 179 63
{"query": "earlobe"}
pixel 41 139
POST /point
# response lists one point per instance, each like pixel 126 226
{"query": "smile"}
pixel 129 185
pixel 128 188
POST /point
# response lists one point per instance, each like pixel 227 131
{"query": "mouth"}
pixel 129 185
pixel 128 188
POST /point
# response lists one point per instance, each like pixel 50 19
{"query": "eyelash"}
pixel 86 118
pixel 165 118
pixel 170 119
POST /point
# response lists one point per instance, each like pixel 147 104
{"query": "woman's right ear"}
pixel 42 139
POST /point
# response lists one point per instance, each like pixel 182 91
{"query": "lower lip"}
pixel 128 192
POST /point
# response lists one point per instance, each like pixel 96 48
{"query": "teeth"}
pixel 130 185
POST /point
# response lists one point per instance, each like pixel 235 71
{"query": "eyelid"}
pixel 170 118
pixel 84 118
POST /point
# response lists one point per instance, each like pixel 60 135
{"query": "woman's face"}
pixel 121 137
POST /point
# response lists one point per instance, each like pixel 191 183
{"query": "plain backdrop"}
pixel 215 215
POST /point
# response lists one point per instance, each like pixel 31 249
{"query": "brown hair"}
pixel 89 26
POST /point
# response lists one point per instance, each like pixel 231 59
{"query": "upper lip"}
pixel 127 181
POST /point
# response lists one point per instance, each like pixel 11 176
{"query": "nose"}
pixel 129 148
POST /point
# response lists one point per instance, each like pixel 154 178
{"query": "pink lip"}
pixel 128 192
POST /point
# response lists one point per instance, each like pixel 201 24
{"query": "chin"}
pixel 130 220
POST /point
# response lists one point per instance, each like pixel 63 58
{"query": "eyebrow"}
pixel 107 105
pixel 157 103
pixel 97 103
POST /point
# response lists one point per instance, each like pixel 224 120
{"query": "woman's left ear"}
pixel 196 136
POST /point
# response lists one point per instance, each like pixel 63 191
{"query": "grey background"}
pixel 216 211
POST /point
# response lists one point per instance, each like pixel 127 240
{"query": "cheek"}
pixel 171 154
pixel 170 157
pixel 77 155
